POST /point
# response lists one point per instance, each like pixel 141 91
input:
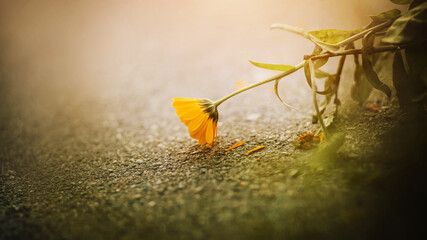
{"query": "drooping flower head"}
pixel 200 116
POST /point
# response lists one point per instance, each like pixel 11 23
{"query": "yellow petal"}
pixel 202 141
pixel 255 149
pixel 184 104
pixel 216 131
pixel 215 138
pixel 201 135
pixel 187 107
pixel 195 124
pixel 209 132
pixel 190 114
pixel 197 133
pixel 234 146
pixel 184 99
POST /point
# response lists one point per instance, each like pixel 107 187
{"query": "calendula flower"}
pixel 200 116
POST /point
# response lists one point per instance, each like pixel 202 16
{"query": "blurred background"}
pixel 90 143
pixel 66 51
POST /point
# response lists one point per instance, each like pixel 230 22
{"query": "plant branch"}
pixel 353 52
pixel 362 33
pixel 316 106
pixel 277 77
pixel 338 80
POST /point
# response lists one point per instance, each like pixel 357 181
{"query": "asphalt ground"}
pixel 91 147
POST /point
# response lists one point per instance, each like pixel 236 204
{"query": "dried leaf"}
pixel 307 73
pixel 309 140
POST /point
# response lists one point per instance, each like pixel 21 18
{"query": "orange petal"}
pixel 184 99
pixel 255 149
pixel 373 109
pixel 235 145
pixel 201 137
pixel 195 123
pixel 190 114
pixel 199 132
pixel 209 132
pixel 215 131
pixel 180 104
pixel 186 107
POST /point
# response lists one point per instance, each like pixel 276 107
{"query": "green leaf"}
pixel 383 62
pixel 317 72
pixel 415 3
pixel 276 67
pixel 402 2
pixel 400 81
pixel 322 74
pixel 368 67
pixel 276 90
pixel 416 65
pixel 386 16
pixel 333 36
pixel 409 28
pixel 307 73
pixel 361 88
pixel 416 56
pixel 330 84
pixel 319 62
pixel 325 46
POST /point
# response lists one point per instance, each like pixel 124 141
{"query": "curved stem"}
pixel 338 80
pixel 316 106
pixel 354 52
pixel 362 33
pixel 277 77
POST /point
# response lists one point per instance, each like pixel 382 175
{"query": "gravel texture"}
pixel 91 148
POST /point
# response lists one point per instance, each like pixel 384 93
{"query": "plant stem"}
pixel 277 77
pixel 338 80
pixel 362 33
pixel 316 106
pixel 353 52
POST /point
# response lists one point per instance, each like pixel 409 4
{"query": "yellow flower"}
pixel 200 116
